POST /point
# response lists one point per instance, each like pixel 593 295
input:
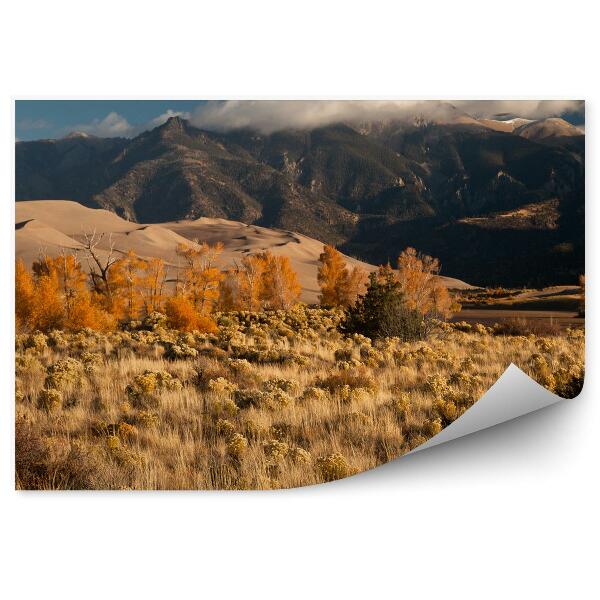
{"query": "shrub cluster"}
pixel 108 403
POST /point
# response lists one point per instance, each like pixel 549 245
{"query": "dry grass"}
pixel 273 400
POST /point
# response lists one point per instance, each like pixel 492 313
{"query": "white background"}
pixel 508 513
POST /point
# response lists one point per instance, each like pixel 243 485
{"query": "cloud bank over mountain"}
pixel 528 109
pixel 268 116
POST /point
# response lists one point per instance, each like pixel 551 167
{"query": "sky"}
pixel 51 119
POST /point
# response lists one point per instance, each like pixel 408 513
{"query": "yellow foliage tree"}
pixel 279 289
pixel 58 294
pixel 340 286
pixel 152 284
pixel 423 290
pixel 125 282
pixel 182 315
pixel 48 309
pixel 61 298
pixel 24 296
pixel 241 286
pixel 230 291
pixel 199 279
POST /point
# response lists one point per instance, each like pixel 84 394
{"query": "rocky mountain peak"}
pixel 174 124
pixel 396 185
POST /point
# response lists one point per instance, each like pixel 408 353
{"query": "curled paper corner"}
pixel 513 395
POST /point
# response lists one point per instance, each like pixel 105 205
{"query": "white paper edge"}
pixel 514 394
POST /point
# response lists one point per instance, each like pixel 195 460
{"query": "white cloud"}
pixel 272 115
pixel 116 125
pixel 528 109
pixel 268 116
pixel 113 125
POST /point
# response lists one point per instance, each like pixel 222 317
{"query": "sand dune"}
pixel 34 237
pixel 71 217
pixel 53 225
pixel 456 284
pixel 150 241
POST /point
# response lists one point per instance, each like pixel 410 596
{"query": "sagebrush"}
pixel 270 400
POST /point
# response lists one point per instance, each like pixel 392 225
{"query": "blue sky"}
pixel 38 119
pixel 43 119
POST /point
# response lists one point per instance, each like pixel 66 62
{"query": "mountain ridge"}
pixel 359 188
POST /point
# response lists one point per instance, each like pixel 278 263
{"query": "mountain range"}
pixel 500 202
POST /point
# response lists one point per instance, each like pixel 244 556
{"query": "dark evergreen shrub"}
pixel 382 311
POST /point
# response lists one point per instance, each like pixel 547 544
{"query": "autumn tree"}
pixel 280 288
pixel 199 278
pixel 182 315
pixel 241 286
pixel 252 270
pixel 354 286
pixel 418 275
pixel 72 280
pixel 230 291
pixel 60 297
pixel 38 305
pixel 80 306
pixel 24 296
pixel 48 308
pixel 125 279
pixel 152 282
pixel 340 286
pixel 330 274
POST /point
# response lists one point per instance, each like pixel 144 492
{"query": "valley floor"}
pixel 489 316
pixel 272 400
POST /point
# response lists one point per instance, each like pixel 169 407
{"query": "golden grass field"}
pixel 273 400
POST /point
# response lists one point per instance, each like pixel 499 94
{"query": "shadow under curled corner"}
pixel 514 395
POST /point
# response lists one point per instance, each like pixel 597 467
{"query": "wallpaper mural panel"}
pixel 272 294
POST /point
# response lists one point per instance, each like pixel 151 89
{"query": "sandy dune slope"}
pixel 34 237
pixel 50 226
pixel 71 217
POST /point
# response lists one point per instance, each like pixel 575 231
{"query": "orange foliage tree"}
pixel 423 290
pixel 182 315
pixel 24 296
pixel 56 296
pixel 280 288
pixel 199 279
pixel 125 281
pixel 241 286
pixel 340 286
pixel 152 284
pixel 48 309
pixel 231 292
